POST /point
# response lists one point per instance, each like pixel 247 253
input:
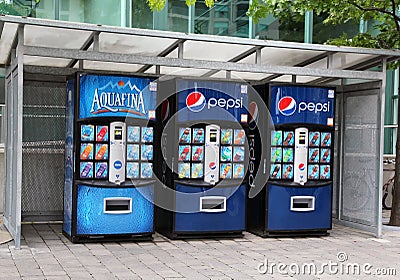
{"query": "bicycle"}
pixel 386 200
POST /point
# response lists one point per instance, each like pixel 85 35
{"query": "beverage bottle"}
pixel 287 139
pixel 86 170
pixel 275 172
pixel 276 138
pixel 226 155
pixel 147 137
pixel 184 136
pixel 86 152
pixel 325 156
pixel 314 138
pixel 101 152
pixel 133 153
pixel 287 172
pixel 314 155
pixel 184 168
pixel 147 172
pixel 314 172
pixel 226 171
pixel 134 134
pixel 226 137
pixel 147 153
pixel 198 137
pixel 325 172
pixel 238 171
pixel 238 155
pixel 238 139
pixel 197 171
pixel 184 153
pixel 287 156
pixel 101 134
pixel 133 171
pixel 276 156
pixel 197 154
pixel 101 170
pixel 326 139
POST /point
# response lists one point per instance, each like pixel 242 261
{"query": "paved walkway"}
pixel 46 254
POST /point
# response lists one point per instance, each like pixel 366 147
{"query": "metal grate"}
pixel 43 152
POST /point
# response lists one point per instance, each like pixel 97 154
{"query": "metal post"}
pixel 191 11
pixel 308 27
pixel 342 112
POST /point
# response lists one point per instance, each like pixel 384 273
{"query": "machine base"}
pixel 306 233
pixel 109 237
pixel 203 235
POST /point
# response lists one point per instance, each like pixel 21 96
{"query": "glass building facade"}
pixel 226 18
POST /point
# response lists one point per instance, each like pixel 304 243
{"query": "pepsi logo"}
pixel 195 101
pixel 212 165
pixel 287 106
pixel 302 167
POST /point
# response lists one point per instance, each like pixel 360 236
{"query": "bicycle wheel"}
pixel 386 198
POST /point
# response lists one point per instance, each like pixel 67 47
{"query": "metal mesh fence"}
pixel 43 152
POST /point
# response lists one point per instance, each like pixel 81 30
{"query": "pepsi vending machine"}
pixel 109 183
pixel 203 138
pixel 297 198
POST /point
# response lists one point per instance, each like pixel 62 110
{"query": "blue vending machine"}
pixel 297 198
pixel 109 182
pixel 203 140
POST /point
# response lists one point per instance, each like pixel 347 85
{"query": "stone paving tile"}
pixel 46 254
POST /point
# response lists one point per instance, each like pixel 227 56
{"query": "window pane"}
pixel 142 16
pixel 271 28
pixel 323 32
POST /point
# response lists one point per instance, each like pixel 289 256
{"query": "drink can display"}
pixel 313 171
pixel 184 153
pixel 276 138
pixel 238 171
pixel 197 153
pixel 325 172
pixel 132 151
pixel 288 138
pixel 102 133
pixel 86 169
pixel 146 170
pixel 184 170
pixel 198 135
pixel 147 134
pixel 226 136
pixel 239 137
pixel 326 139
pixel 313 155
pixel 287 171
pixel 226 170
pixel 238 153
pixel 101 170
pixel 313 139
pixel 86 151
pixel 226 153
pixel 287 155
pixel 147 152
pixel 275 171
pixel 184 135
pixel 101 151
pixel 132 170
pixel 325 155
pixel 197 170
pixel 276 154
pixel 133 134
pixel 87 132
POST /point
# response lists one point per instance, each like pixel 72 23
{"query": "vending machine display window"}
pixel 191 153
pixel 139 152
pixel 232 153
pixel 282 155
pixel 94 151
pixel 319 155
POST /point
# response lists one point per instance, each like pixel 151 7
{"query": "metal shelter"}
pixel 39 54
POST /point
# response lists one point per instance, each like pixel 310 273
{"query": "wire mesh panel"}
pixel 43 152
pixel 360 163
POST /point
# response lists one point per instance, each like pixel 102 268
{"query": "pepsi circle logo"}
pixel 117 164
pixel 287 106
pixel 302 167
pixel 212 165
pixel 195 101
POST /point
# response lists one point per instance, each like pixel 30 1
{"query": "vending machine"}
pixel 297 198
pixel 109 183
pixel 203 145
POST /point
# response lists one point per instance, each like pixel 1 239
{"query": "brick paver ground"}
pixel 46 254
